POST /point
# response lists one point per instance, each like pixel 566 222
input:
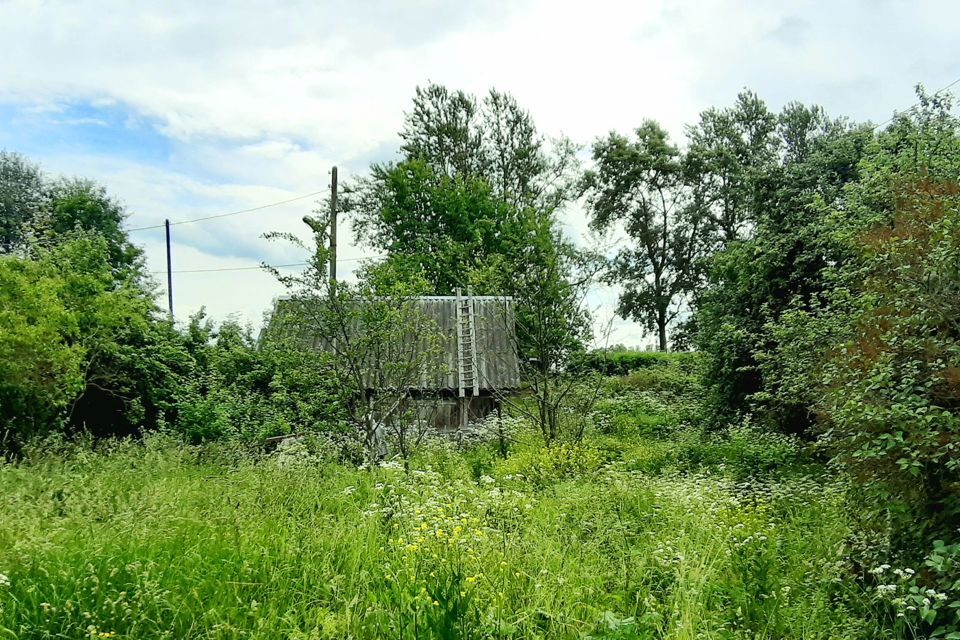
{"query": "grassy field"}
pixel 617 537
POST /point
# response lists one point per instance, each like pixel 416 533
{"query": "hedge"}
pixel 619 363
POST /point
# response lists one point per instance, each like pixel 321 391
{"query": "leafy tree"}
pixel 443 131
pixel 22 196
pixel 446 227
pixel 495 140
pixel 732 155
pixel 875 360
pixel 383 345
pixel 549 324
pixel 83 204
pixel 95 359
pixel 41 364
pixel 468 172
pixel 36 208
pixel 640 185
pixel 782 262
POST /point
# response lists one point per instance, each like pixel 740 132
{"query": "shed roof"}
pixel 494 354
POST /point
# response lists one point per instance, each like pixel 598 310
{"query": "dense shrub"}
pixel 82 348
pixel 652 400
pixel 616 362
pixel 892 408
pixel 249 392
pixel 543 465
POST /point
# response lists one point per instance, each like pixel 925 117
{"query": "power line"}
pixel 261 266
pixel 231 213
pixel 915 104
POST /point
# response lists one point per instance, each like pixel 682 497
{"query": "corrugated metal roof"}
pixel 494 327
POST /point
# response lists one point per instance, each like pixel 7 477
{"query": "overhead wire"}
pixel 229 213
pixel 263 266
pixel 915 104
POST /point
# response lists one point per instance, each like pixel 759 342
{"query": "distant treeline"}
pixel 620 362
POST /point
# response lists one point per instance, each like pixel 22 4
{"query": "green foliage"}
pixel 381 345
pixel 22 198
pixel 164 540
pixel 640 185
pixel 836 318
pixel 34 207
pixel 619 362
pixel 782 194
pixel 927 601
pixel 448 227
pixel 542 466
pixel 250 392
pixel 85 205
pixel 41 364
pixel 475 182
pixel 892 409
pixel 81 348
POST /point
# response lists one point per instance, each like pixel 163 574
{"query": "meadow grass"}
pixel 617 537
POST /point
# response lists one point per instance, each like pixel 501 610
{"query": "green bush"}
pixel 623 362
pixel 82 348
pixel 542 465
pixel 743 450
pixel 249 392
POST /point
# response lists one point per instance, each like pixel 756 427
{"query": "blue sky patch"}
pixel 111 129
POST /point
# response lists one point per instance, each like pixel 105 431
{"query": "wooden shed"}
pixel 478 360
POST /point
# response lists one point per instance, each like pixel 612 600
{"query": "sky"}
pixel 185 109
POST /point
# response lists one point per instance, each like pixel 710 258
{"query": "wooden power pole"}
pixel 333 232
pixel 166 225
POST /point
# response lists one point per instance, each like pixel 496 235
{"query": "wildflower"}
pixel 4 580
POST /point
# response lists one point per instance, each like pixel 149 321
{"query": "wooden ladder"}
pixel 466 345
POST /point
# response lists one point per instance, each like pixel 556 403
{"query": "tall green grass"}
pixel 161 540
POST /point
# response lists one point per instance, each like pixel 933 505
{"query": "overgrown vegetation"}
pixel 618 536
pixel 797 476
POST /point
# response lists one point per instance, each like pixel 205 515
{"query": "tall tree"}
pixel 22 196
pixel 780 261
pixel 638 186
pixel 468 171
pixel 83 204
pixel 443 130
pixel 446 227
pixel 731 153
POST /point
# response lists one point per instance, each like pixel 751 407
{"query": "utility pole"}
pixel 333 232
pixel 166 224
